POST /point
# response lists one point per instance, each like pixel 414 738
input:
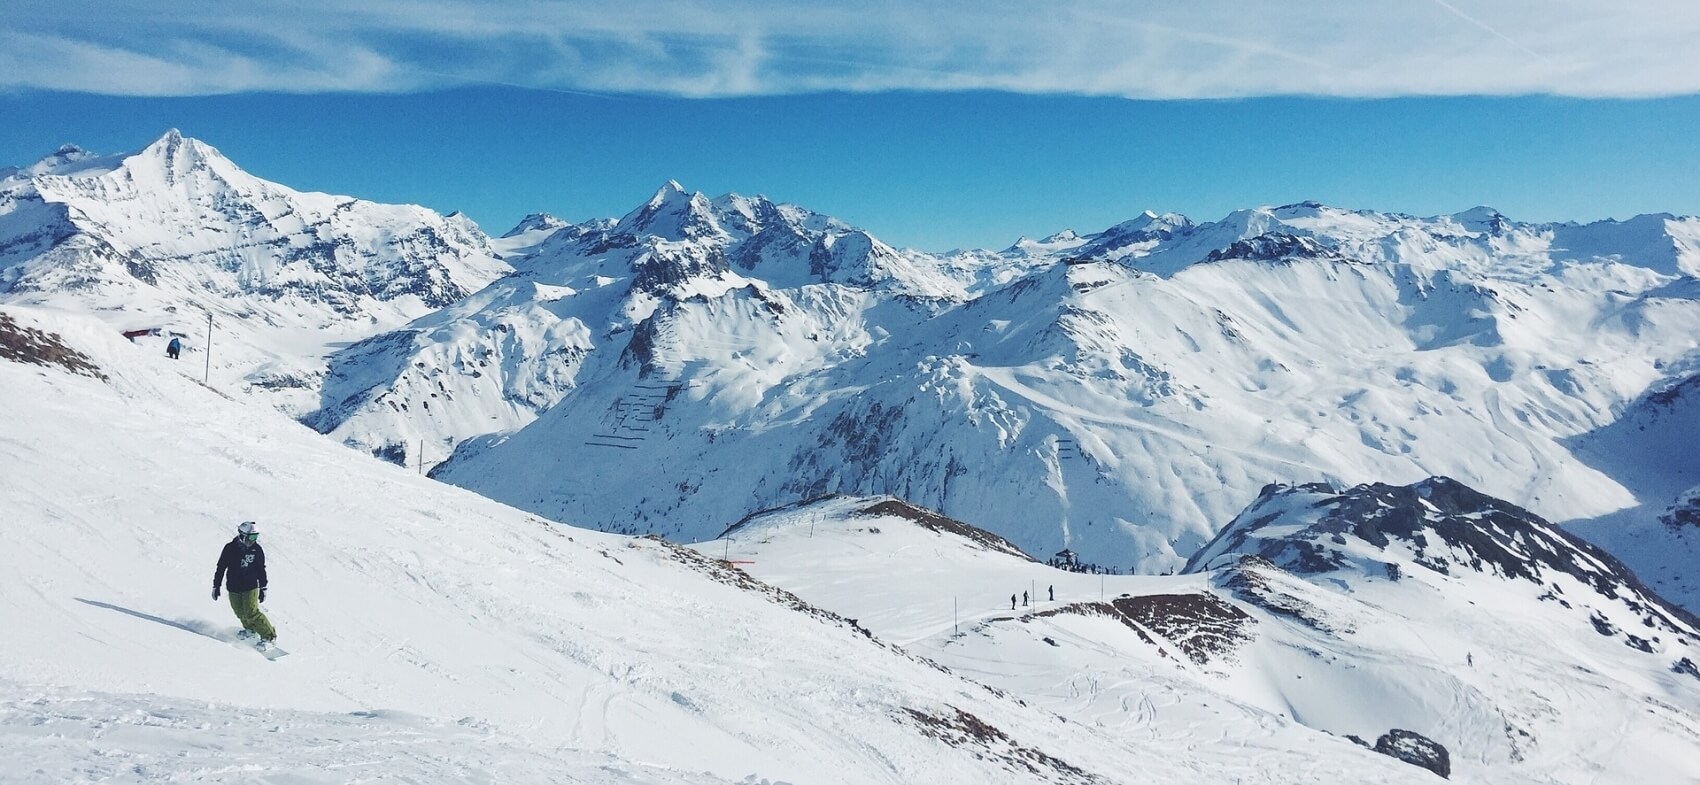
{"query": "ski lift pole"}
pixel 206 375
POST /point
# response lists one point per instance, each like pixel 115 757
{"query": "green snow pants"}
pixel 247 607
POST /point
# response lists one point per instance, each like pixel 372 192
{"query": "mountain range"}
pixel 1119 394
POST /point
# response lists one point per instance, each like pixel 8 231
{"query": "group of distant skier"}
pixel 1051 590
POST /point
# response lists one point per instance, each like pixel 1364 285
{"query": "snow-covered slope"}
pixel 1527 654
pixel 1120 394
pixel 437 636
pixel 162 237
pixel 1650 448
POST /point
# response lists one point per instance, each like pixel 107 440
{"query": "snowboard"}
pixel 271 653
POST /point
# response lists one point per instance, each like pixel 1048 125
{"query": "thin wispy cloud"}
pixel 1208 49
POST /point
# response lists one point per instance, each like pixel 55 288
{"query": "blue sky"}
pixel 953 124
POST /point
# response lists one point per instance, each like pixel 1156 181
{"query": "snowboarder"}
pixel 174 348
pixel 1012 602
pixel 1053 591
pixel 245 562
pixel 1024 599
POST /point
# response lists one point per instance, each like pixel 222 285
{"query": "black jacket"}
pixel 247 566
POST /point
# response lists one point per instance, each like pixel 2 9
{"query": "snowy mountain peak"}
pixel 175 156
pixel 536 222
pixel 65 160
pixel 1150 221
pixel 176 228
pixel 1482 219
pixel 672 214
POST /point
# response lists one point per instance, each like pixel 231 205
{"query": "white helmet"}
pixel 248 531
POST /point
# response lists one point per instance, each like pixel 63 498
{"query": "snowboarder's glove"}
pixel 215 592
pixel 262 594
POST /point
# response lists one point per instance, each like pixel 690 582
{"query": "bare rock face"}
pixel 1207 629
pixel 1415 749
pixel 22 344
pixel 1685 513
pixel 1271 247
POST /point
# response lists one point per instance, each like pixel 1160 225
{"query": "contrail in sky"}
pixel 1496 33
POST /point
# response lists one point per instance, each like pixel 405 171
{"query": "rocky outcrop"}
pixel 1442 525
pixel 1272 247
pixel 22 344
pixel 1413 748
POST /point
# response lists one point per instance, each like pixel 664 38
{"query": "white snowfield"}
pixel 440 637
pixel 1515 687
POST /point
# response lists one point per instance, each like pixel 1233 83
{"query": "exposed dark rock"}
pixel 1273 246
pixel 961 729
pixel 1686 665
pixel 1417 750
pixel 394 452
pixel 1685 513
pixel 1602 625
pixel 933 521
pixel 28 345
pixel 1254 579
pixel 663 268
pixel 1204 627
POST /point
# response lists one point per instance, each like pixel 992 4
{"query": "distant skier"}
pixel 174 348
pixel 1024 599
pixel 245 562
pixel 1053 591
pixel 1012 602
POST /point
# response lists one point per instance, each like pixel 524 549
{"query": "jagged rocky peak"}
pixel 175 155
pixel 672 214
pixel 173 150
